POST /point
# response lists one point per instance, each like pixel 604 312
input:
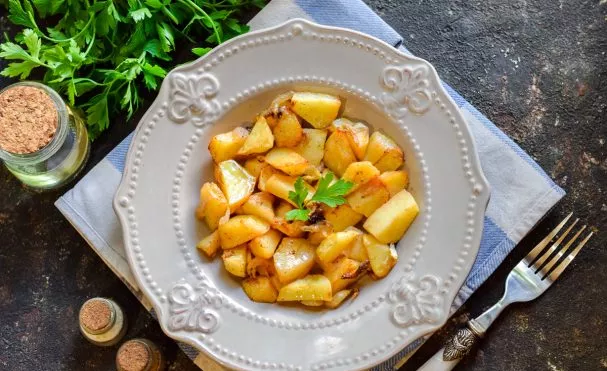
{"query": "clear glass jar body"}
pixel 62 158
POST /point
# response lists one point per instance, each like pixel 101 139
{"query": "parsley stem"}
pixel 193 5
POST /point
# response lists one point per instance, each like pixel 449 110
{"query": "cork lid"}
pixel 134 355
pixel 96 315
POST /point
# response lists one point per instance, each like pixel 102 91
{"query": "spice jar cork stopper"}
pixel 96 314
pixel 139 355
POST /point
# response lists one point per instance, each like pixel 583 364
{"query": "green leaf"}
pixel 97 114
pixel 331 194
pixel 20 16
pixel 155 49
pixel 201 51
pixel 140 14
pixel 165 34
pixel 299 195
pixel 19 69
pixel 47 7
pixel 298 214
pixel 155 4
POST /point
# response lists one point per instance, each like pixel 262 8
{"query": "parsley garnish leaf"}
pixel 298 214
pixel 329 194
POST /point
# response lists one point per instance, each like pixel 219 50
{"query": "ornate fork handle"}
pixel 460 344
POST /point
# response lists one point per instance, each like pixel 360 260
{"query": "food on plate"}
pixel 305 203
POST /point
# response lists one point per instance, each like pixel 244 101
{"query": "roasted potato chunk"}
pixel 260 204
pixel 319 232
pixel 357 249
pixel 235 182
pixel 288 131
pixel 395 181
pixel 338 154
pixel 319 110
pixel 291 228
pixel 384 153
pixel 391 220
pixel 235 261
pixel 254 165
pixel 210 244
pixel 260 139
pixel 342 217
pixel 241 229
pixel 360 173
pixel 312 146
pixel 334 244
pixel 225 146
pixel 266 172
pixel 382 257
pixel 280 185
pixel 213 207
pixel 265 245
pixel 368 197
pixel 260 289
pixel 338 298
pixel 343 272
pixel 293 259
pixel 288 161
pixel 312 287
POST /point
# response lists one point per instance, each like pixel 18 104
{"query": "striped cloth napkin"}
pixel 522 193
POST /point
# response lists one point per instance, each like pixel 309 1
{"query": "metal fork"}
pixel 528 280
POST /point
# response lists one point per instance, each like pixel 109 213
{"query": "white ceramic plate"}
pixel 198 302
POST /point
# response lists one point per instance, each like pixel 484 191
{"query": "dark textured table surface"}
pixel 535 67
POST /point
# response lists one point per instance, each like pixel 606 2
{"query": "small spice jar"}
pixel 139 355
pixel 102 321
pixel 43 142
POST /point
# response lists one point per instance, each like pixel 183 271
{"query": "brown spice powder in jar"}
pixel 96 314
pixel 133 356
pixel 28 119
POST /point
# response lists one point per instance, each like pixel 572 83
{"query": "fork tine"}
pixel 538 264
pixel 565 263
pixel 543 243
pixel 559 255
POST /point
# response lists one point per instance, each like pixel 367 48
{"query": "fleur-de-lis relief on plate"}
pixel 408 90
pixel 193 99
pixel 415 300
pixel 193 309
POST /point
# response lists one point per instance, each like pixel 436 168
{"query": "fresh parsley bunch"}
pixel 100 53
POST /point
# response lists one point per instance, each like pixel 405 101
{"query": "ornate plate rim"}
pixel 481 191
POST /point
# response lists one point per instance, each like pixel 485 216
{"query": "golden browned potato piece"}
pixel 357 249
pixel 313 303
pixel 312 146
pixel 343 272
pixel 358 135
pixel 273 113
pixel 319 232
pixel 384 153
pixel 293 259
pixel 225 146
pixel 338 298
pixel 259 140
pixel 235 182
pixel 360 173
pixel 291 228
pixel 338 154
pixel 317 109
pixel 287 131
pixel 210 244
pixel 213 207
pixel 368 197
pixel 395 181
pixel 260 289
pixel 235 261
pixel 260 204
pixel 241 229
pixel 280 185
pixel 288 161
pixel 254 165
pixel 265 245
pixel 266 172
pixel 334 244
pixel 382 257
pixel 312 287
pixel 390 221
pixel 282 209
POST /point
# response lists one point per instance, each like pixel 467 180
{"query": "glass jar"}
pixel 139 355
pixel 62 158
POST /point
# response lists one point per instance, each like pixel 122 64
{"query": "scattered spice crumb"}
pixel 28 119
pixel 95 315
pixel 132 356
